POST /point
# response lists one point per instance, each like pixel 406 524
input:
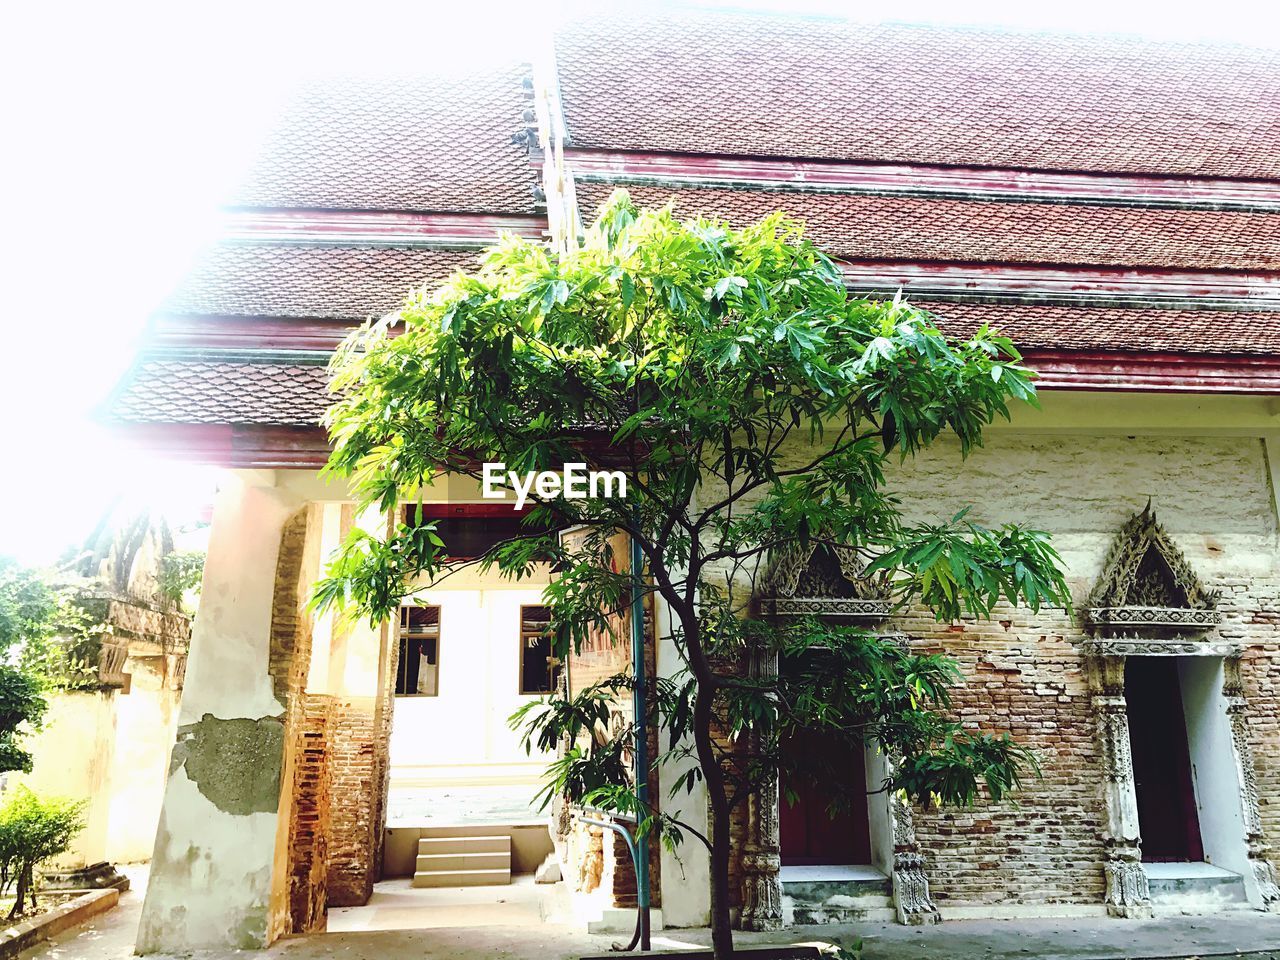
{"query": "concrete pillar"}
pixel 216 870
pixel 686 873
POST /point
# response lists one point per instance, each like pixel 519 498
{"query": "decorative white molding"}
pixel 1255 840
pixel 557 179
pixel 833 607
pixel 1162 646
pixel 1135 616
pixel 1127 894
pixel 910 882
pixel 762 852
pixel 886 179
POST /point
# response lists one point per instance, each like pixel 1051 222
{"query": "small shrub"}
pixel 33 830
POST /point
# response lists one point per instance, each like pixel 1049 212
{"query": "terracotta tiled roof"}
pixel 763 85
pixel 1035 327
pixel 184 391
pixel 283 280
pixel 911 228
pixel 416 142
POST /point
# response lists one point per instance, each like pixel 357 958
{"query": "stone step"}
pixel 819 890
pixel 465 844
pixel 840 910
pixel 462 878
pixel 1194 888
pixel 839 899
pixel 429 862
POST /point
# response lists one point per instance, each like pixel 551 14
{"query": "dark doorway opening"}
pixel 1167 815
pixel 810 833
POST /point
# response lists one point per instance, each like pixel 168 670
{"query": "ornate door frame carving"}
pixel 1127 892
pixel 1264 875
pixel 1148 601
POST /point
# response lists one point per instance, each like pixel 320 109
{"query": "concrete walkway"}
pixel 1249 935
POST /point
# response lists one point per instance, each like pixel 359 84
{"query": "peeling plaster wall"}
pixel 212 869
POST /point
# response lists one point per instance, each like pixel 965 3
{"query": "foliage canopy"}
pixel 33 830
pixel 753 404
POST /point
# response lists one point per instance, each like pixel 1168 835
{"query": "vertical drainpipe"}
pixel 641 748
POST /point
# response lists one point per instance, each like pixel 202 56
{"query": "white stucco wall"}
pixel 224 859
pixel 71 758
pixel 146 721
pixel 461 735
pixel 1211 493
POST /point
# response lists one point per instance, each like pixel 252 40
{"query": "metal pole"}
pixel 621 831
pixel 641 748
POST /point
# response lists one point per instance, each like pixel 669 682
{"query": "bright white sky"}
pixel 124 123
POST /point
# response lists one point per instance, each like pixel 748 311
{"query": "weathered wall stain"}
pixel 234 763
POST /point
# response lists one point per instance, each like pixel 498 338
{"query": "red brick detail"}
pixel 1251 613
pixel 308 840
pixel 355 783
pixel 1022 674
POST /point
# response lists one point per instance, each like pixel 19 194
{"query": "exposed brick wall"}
pixel 289 654
pixel 1251 612
pixel 289 659
pixel 354 749
pixel 1023 676
pixel 308 841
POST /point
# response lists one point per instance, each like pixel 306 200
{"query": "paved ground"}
pixel 1242 935
pixel 397 905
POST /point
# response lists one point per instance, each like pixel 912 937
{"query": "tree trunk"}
pixel 20 897
pixel 703 711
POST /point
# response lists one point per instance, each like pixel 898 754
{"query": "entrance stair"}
pixel 1194 888
pixel 462 857
pixel 836 895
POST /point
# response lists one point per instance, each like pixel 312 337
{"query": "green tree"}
pixel 180 573
pixel 30 614
pixel 32 831
pixel 753 405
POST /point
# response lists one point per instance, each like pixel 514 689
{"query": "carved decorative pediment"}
pixel 824 580
pixel 1147 584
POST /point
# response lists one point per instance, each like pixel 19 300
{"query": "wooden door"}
pixel 1167 815
pixel 810 834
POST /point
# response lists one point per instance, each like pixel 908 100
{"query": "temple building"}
pixel 1112 205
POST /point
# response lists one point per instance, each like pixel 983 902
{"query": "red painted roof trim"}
pixel 170 331
pixel 353 227
pixel 1087 283
pixel 245 446
pixel 1154 372
pixel 238 446
pixel 1028 185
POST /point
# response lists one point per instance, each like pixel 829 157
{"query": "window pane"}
pixel 537 672
pixel 418 673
